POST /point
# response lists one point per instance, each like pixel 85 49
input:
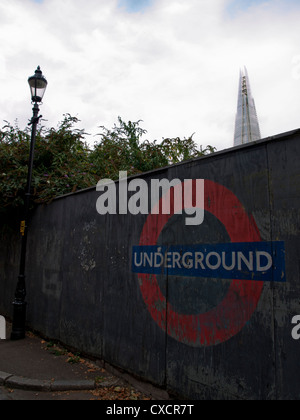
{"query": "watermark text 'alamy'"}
pixel 163 195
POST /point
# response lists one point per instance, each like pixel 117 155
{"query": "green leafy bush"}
pixel 65 163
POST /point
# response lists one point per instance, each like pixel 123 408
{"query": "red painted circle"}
pixel 230 316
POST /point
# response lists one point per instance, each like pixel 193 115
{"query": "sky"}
pixel 174 64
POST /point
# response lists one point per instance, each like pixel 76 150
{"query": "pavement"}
pixel 45 368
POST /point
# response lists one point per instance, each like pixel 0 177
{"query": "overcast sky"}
pixel 172 63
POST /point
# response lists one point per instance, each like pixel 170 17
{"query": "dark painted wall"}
pixel 202 337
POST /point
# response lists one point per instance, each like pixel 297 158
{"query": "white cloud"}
pixel 174 65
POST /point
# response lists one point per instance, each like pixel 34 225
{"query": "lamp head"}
pixel 37 84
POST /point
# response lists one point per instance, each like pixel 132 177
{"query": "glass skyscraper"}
pixel 246 122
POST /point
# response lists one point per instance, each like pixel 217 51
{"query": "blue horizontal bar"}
pixel 260 261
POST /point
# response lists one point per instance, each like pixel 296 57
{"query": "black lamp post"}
pixel 38 85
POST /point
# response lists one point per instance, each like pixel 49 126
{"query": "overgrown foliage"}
pixel 64 162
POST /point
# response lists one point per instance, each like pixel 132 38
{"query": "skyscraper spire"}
pixel 246 122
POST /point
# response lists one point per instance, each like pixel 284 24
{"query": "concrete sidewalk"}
pixel 33 364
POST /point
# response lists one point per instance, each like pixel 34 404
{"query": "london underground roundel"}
pixel 230 315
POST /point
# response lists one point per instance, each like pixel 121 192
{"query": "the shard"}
pixel 246 122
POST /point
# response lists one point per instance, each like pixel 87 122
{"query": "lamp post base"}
pixel 19 319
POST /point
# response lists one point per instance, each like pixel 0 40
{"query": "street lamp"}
pixel 37 84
